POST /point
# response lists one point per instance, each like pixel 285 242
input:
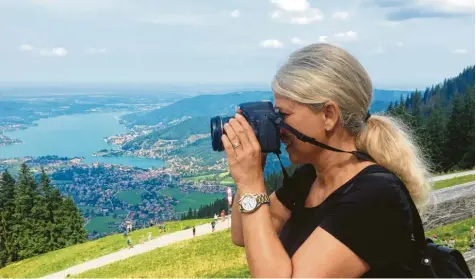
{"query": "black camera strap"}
pixel 362 156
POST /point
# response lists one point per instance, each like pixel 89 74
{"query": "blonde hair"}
pixel 323 72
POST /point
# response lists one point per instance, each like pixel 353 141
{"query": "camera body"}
pixel 258 116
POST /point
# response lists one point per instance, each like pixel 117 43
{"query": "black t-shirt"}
pixel 369 214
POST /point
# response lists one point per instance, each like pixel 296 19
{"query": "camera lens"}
pixel 216 129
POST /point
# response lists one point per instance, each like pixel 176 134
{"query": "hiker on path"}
pixel 213 226
pixel 222 214
pixel 129 243
pixel 193 230
pixel 149 236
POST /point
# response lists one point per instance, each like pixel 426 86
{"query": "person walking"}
pixel 193 230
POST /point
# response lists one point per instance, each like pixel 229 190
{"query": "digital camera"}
pixel 259 115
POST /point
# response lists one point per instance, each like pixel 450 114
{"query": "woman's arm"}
pixel 279 216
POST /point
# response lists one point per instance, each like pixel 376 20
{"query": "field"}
pixel 191 199
pixel 460 231
pixel 60 259
pixel 211 256
pixel 223 178
pixel 214 256
pixel 173 192
pixel 130 196
pixel 106 224
pixel 453 181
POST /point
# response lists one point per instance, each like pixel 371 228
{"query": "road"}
pixel 141 248
pixel 451 175
pixel 169 239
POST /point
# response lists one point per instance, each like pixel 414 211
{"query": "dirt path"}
pixel 141 248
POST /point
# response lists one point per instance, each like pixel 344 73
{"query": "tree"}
pixel 34 218
pixel 455 138
pixel 7 208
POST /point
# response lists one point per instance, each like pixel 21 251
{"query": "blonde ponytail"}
pixel 391 144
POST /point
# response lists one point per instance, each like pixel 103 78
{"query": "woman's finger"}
pixel 233 137
pixel 240 132
pixel 249 131
pixel 229 150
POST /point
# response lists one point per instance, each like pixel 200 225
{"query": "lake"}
pixel 78 135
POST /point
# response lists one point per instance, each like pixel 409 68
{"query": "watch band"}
pixel 260 200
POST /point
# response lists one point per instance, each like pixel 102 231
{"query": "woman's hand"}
pixel 244 155
pixel 263 155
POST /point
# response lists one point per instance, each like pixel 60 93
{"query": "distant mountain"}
pixel 225 104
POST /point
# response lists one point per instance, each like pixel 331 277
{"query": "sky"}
pixel 403 44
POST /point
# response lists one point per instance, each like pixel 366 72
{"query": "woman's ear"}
pixel 331 115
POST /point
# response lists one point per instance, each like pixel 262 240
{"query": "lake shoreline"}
pixel 61 136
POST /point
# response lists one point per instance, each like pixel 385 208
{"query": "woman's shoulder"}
pixel 378 184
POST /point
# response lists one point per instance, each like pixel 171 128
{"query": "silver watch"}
pixel 251 202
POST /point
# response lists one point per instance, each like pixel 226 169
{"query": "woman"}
pixel 335 218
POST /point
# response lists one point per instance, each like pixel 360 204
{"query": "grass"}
pixel 200 177
pixel 106 224
pixel 214 256
pixel 196 199
pixel 190 199
pixel 130 196
pixel 224 174
pixel 228 181
pixel 460 231
pixel 211 256
pixel 64 258
pixel 453 181
pixel 173 192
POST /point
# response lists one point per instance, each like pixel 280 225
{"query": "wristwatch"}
pixel 251 202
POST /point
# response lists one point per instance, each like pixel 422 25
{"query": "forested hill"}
pixel 442 118
pixel 225 104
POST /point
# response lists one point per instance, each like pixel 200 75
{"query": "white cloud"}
pixel 340 15
pixel 26 47
pixel 295 12
pixel 307 17
pixel 297 41
pixel 460 51
pixel 57 51
pixel 94 50
pixel 315 15
pixel 347 36
pixel 292 5
pixel 451 6
pixel 400 44
pixel 235 14
pixel 271 43
pixel 275 14
pixel 323 39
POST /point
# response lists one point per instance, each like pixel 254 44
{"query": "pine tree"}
pixel 455 138
pixel 23 228
pixel 434 139
pixel 7 209
pixel 70 222
pixel 467 160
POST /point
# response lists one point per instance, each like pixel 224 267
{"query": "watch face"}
pixel 248 203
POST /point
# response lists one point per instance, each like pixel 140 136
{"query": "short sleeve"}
pixel 373 219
